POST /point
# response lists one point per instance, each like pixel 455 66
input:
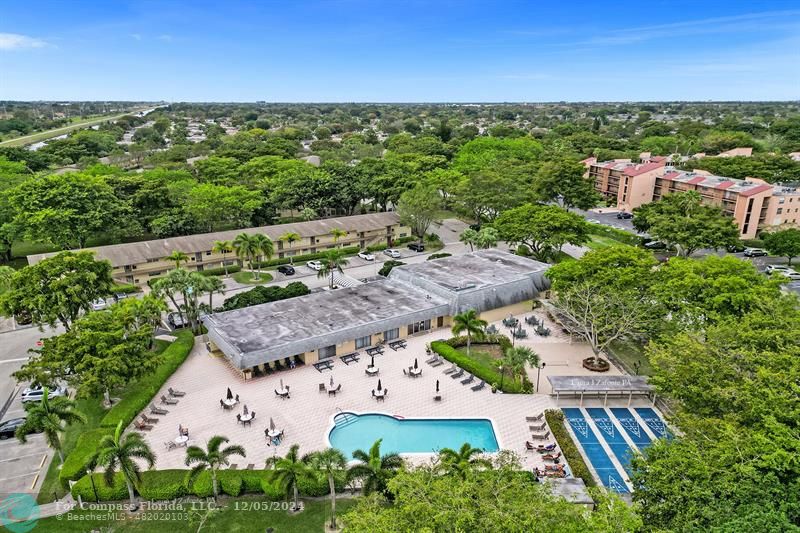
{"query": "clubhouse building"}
pixel 413 299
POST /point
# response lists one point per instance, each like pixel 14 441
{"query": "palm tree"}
pixel 470 323
pixel 179 257
pixel 374 469
pixel 213 285
pixel 338 233
pixel 224 248
pixel 288 470
pixel 290 238
pixel 463 461
pixel 330 462
pixel 332 262
pixel 211 459
pixel 115 452
pixel 246 248
pixel 515 358
pixel 49 416
pixel 469 236
pixel 264 248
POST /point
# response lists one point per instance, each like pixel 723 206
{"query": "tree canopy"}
pixel 545 229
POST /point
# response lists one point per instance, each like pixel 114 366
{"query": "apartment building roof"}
pixel 140 252
pixel 742 187
pixel 740 152
pixel 632 169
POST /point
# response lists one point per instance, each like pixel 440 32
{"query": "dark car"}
pixel 9 427
pixel 475 227
pixel 417 247
pixel 622 215
pixel 655 245
pixel 176 320
pixel 735 248
pixel 286 270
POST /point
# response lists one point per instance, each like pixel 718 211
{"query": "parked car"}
pixel 120 296
pixel 393 253
pixel 35 393
pixel 366 256
pixel 622 215
pixel 99 304
pixel 735 248
pixel 417 247
pixel 791 274
pixel 286 270
pixel 314 265
pixel 772 269
pixel 754 252
pixel 655 245
pixel 176 320
pixel 9 427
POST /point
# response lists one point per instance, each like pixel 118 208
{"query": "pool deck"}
pixel 307 416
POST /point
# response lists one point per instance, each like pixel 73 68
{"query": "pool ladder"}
pixel 346 417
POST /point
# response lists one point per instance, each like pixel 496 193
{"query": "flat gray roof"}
pixel 307 323
pixel 140 252
pixel 571 489
pixel 599 384
pixel 475 270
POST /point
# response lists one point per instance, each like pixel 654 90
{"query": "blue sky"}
pixel 404 51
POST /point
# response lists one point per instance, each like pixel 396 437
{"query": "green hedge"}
pixel 142 392
pixel 438 256
pixel 377 247
pixel 163 484
pixel 262 294
pixel 229 482
pixel 348 250
pixel 388 266
pixel 77 462
pixel 616 234
pixel 488 374
pixel 753 243
pixel 232 269
pixel 555 421
pixel 117 491
pixel 125 288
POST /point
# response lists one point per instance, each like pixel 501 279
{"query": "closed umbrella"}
pixel 379 385
pixel 230 394
pixel 416 365
pixel 282 387
pixel 271 424
pixel 245 410
pixel 372 361
pixel 437 385
pixel 331 381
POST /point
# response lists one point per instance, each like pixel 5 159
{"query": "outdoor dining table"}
pixel 283 392
pixel 331 387
pixel 272 433
pixel 230 402
pixel 182 439
pixel 372 370
pixel 246 418
pixel 415 371
pixel 380 394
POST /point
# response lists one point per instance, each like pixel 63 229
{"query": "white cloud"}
pixel 15 41
pixel 137 36
pixel 166 38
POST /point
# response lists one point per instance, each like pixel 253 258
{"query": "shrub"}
pixel 348 250
pixel 271 489
pixel 263 294
pixel 616 234
pixel 125 288
pixel 314 486
pixel 77 462
pixel 377 247
pixel 229 482
pixel 143 390
pixel 438 256
pixel 555 421
pixel 232 269
pixel 479 370
pixel 388 266
pixel 83 488
pixel 753 243
pixel 404 240
pixel 497 338
pixel 163 484
pixel 252 479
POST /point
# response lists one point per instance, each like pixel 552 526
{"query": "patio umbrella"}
pixel 416 365
pixel 372 361
pixel 245 410
pixel 437 385
pixel 230 394
pixel 331 381
pixel 282 387
pixel 271 424
pixel 379 385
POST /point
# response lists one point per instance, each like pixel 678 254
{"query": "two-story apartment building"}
pixel 137 262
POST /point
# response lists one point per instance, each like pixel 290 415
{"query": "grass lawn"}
pixel 598 242
pixel 249 277
pixel 94 411
pixel 243 514
pixel 630 352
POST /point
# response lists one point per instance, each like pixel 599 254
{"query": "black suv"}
pixel 417 247
pixel 622 215
pixel 286 270
pixel 9 427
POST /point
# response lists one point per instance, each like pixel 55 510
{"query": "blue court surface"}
pixel 608 473
pixel 631 426
pixel 614 439
pixel 654 422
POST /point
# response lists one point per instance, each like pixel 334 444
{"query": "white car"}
pixel 393 253
pixel 314 265
pixel 99 304
pixel 791 274
pixel 366 256
pixel 35 394
pixel 780 269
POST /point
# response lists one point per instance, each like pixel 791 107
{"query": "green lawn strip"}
pixel 629 352
pixel 243 514
pixel 598 242
pixel 480 364
pixel 555 421
pixel 249 278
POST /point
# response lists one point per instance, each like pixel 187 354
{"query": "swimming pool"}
pixel 410 435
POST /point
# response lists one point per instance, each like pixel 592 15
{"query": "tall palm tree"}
pixel 470 323
pixel 333 261
pixel 330 462
pixel 463 461
pixel 264 248
pixel 118 452
pixel 338 233
pixel 290 238
pixel 49 416
pixel 179 257
pixel 374 469
pixel 515 359
pixel 287 471
pixel 246 248
pixel 213 285
pixel 224 248
pixel 211 458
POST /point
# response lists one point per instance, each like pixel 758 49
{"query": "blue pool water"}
pixel 414 435
pixel 608 473
pixel 631 426
pixel 614 439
